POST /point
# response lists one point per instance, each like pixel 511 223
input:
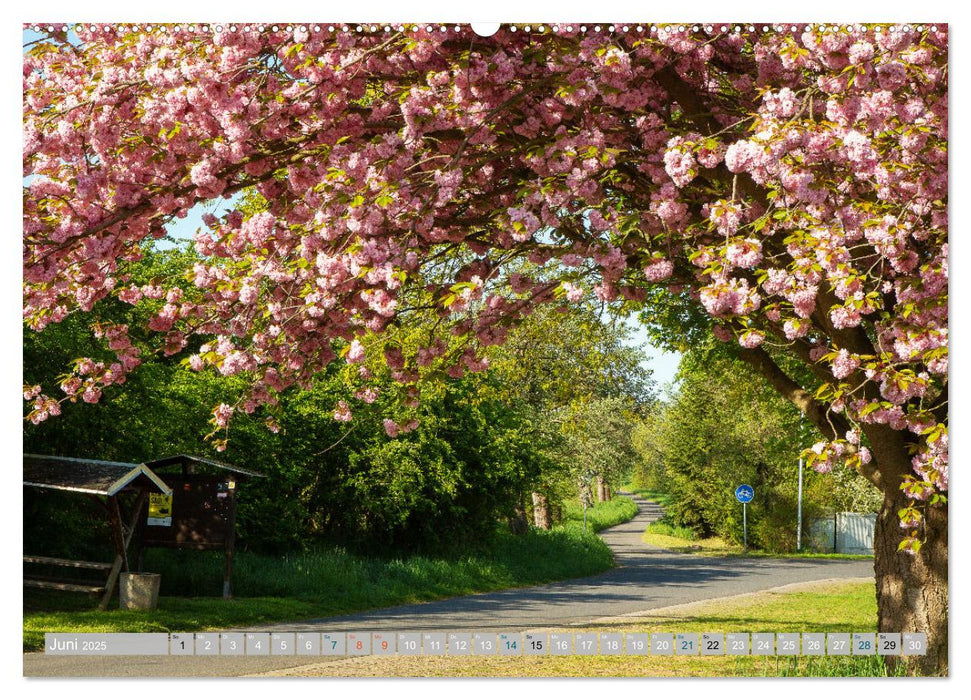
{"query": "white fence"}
pixel 845 533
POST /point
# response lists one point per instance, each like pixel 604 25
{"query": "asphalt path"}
pixel 645 578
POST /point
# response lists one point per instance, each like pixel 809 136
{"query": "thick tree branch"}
pixel 700 115
pixel 853 339
pixel 831 425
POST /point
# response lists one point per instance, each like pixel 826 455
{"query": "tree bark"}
pixel 518 524
pixel 912 588
pixel 601 489
pixel 541 511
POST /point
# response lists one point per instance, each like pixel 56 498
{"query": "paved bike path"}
pixel 644 579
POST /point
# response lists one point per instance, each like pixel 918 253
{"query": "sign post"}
pixel 585 496
pixel 744 494
pixel 799 511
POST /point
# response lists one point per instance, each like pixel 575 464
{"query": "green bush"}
pixel 724 426
pixel 618 509
pixel 665 528
pixel 360 582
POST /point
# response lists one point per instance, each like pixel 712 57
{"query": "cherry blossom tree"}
pixel 790 181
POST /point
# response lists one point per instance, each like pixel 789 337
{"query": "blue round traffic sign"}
pixel 744 493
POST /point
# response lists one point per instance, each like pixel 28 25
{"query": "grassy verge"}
pixel 662 499
pixel 617 510
pixel 679 539
pixel 818 607
pixel 683 539
pixel 327 583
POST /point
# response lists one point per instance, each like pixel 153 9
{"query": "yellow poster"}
pixel 159 510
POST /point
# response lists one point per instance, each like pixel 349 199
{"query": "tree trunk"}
pixel 607 492
pixel 601 489
pixel 518 524
pixel 912 588
pixel 541 511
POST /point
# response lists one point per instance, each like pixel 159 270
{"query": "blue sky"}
pixel 663 364
pixel 186 228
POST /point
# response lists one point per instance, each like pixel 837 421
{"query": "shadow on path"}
pixel 645 578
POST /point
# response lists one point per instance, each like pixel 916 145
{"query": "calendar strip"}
pixel 463 643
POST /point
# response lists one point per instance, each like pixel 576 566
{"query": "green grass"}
pixel 680 539
pixel 663 499
pixel 818 607
pixel 617 510
pixel 673 531
pixel 328 582
pixel 666 534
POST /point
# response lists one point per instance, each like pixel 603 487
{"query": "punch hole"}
pixel 485 28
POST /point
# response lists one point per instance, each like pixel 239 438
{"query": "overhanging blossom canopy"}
pixel 793 184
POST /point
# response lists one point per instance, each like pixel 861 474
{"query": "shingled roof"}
pixel 89 475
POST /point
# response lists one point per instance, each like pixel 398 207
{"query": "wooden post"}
pixel 137 530
pixel 135 521
pixel 230 543
pixel 121 556
pixel 110 585
pixel 117 530
pixel 518 525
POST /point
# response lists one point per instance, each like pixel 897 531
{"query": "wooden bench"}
pixel 62 584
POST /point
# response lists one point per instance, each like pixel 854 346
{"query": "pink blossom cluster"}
pixel 844 364
pixel 727 216
pixel 746 252
pixel 394 429
pixel 658 269
pixel 729 297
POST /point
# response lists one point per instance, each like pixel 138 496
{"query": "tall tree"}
pixel 791 182
pixel 580 383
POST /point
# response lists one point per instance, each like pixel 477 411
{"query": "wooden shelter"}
pixel 202 510
pixel 106 482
